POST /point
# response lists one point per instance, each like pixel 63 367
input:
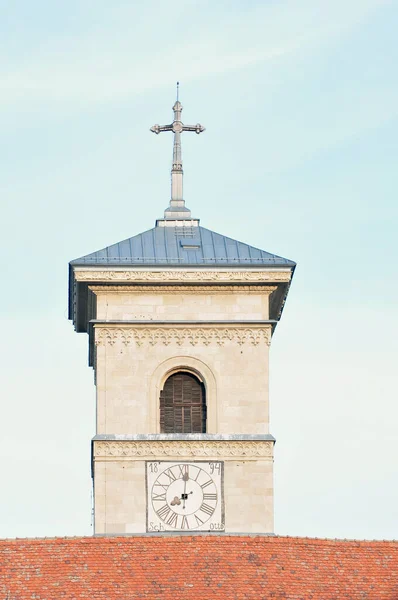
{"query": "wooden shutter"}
pixel 183 405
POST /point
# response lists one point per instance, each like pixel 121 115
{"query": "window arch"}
pixel 183 404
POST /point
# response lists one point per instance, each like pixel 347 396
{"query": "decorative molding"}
pixel 185 276
pixel 108 336
pixel 241 449
pixel 182 289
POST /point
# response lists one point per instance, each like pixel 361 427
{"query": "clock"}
pixel 185 496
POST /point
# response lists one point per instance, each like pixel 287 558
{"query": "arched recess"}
pixel 183 404
pixel 181 364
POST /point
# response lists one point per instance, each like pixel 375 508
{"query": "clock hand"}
pixel 184 495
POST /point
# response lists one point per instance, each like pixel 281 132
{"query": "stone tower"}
pixel 179 322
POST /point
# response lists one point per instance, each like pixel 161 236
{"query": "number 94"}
pixel 215 467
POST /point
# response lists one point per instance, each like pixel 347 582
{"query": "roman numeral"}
pixel 206 483
pixel 184 522
pixel 210 497
pixel 207 509
pixel 170 474
pixel 164 512
pixel 159 497
pixel 198 521
pixel 161 485
pixel 172 520
pixel 184 470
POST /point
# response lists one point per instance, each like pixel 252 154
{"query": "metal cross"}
pixel 177 127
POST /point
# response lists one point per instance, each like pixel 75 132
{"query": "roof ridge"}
pixel 199 535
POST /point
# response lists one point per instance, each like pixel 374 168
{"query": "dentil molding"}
pixel 219 449
pixel 108 336
pixel 184 276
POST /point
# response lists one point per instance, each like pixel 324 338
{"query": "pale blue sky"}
pixel 299 101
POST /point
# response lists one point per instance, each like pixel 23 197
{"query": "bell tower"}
pixel 179 322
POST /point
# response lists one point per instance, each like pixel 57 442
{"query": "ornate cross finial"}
pixel 177 208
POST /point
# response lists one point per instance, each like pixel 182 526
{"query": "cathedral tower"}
pixel 179 322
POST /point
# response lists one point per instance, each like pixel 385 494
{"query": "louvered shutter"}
pixel 183 405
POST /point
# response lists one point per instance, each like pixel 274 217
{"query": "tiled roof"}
pixel 182 246
pixel 204 567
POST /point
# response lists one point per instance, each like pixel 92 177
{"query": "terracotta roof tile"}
pixel 187 567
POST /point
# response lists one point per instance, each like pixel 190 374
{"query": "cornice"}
pixel 187 449
pixel 110 335
pixel 182 289
pixel 183 437
pixel 184 276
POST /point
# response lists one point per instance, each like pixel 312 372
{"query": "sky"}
pixel 300 105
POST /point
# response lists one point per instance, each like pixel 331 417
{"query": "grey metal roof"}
pixel 182 246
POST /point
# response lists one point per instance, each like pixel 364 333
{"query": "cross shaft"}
pixel 177 204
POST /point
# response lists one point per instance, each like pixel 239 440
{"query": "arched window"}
pixel 183 405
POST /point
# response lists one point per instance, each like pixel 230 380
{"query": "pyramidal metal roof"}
pixel 183 246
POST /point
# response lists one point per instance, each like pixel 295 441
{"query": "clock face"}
pixel 185 496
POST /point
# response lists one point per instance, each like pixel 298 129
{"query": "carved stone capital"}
pixel 186 449
pixel 198 276
pixel 108 335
